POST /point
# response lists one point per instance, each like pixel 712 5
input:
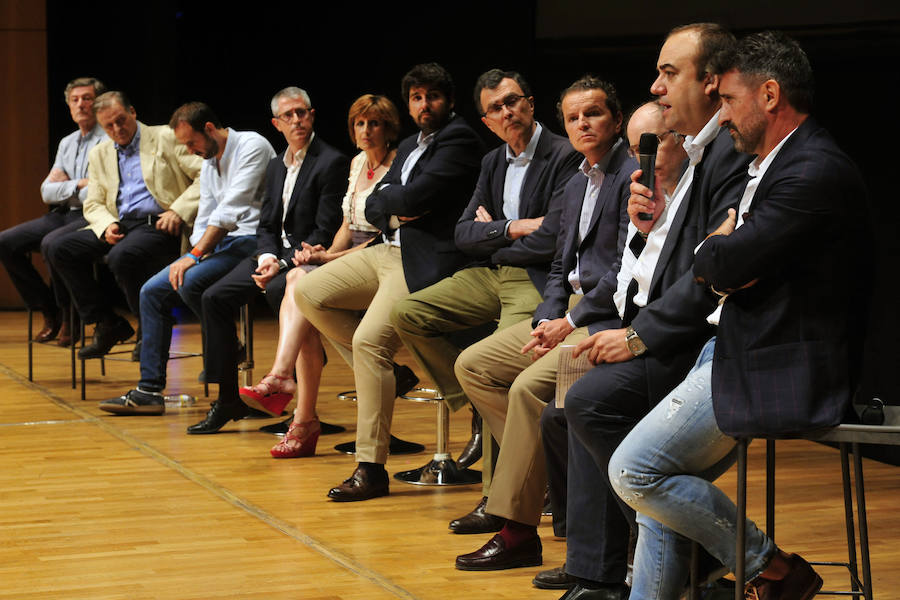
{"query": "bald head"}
pixel 648 118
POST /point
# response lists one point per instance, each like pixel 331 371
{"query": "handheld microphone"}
pixel 647 158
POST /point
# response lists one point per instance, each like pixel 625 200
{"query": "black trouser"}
pixel 138 256
pixel 17 242
pixel 555 439
pixel 221 303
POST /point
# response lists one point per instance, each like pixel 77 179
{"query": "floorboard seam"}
pixel 281 525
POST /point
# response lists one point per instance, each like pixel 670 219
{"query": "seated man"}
pixel 787 354
pixel 416 207
pixel 231 188
pixel 503 231
pixel 143 189
pixel 64 190
pixel 507 386
pixel 304 187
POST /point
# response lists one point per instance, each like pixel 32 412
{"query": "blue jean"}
pixel 158 298
pixel 664 469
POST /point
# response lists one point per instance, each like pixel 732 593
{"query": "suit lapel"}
pixel 606 188
pixel 147 151
pixel 674 234
pixel 571 245
pixel 309 162
pixel 533 175
pixel 498 182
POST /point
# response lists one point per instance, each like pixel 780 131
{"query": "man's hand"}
pixel 641 201
pixel 522 227
pixel 482 215
pixel 309 255
pixel 547 335
pixel 607 346
pixel 177 269
pixel 82 183
pixel 57 175
pixel 265 272
pixel 170 222
pixel 727 226
pixel 113 234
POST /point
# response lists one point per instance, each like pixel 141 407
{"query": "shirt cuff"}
pixel 571 322
pixel 264 256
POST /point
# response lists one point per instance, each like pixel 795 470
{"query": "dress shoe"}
pixel 478 521
pixel 405 379
pixel 49 329
pixel 67 337
pixel 300 440
pixel 106 335
pixel 136 402
pixel 471 454
pixel 361 486
pixel 800 583
pixel 554 579
pixel 494 555
pixel 218 416
pixel 611 592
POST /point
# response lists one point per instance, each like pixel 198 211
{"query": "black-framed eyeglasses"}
pixel 509 102
pixel 288 115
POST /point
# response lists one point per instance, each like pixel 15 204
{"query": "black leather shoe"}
pixel 554 579
pixel 106 335
pixel 495 556
pixel 611 592
pixel 478 521
pixel 218 416
pixel 361 486
pixel 405 378
pixel 471 454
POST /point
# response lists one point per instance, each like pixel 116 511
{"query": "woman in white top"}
pixel 374 125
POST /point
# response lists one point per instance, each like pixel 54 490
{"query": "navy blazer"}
pixel 788 347
pixel 314 211
pixel 554 163
pixel 599 254
pixel 436 192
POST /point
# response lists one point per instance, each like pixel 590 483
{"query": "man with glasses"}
pixel 301 203
pixel 508 231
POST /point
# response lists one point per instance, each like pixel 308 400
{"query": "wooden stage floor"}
pixel 96 506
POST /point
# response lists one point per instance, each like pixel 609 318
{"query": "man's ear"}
pixel 770 92
pixel 710 84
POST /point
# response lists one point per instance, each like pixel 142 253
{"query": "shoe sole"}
pixel 133 410
pixel 256 404
pixel 339 498
pixel 523 563
pixel 552 586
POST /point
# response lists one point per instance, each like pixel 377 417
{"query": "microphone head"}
pixel 648 143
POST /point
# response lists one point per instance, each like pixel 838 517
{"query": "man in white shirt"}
pixel 231 189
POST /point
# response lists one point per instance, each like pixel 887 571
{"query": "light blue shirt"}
pixel 134 199
pixel 422 143
pixel 517 167
pixel 71 157
pixel 231 188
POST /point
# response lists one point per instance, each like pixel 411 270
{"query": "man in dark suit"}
pixel 503 231
pixel 507 387
pixel 663 311
pixel 302 203
pixel 416 207
pixel 789 340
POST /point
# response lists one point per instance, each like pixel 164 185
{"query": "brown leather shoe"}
pixel 800 583
pixel 494 555
pixel 554 579
pixel 49 329
pixel 360 486
pixel 477 521
pixel 66 337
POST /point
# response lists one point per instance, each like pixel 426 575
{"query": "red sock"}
pixel 515 533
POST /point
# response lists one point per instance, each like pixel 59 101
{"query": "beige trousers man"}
pixel 510 391
pixel 331 297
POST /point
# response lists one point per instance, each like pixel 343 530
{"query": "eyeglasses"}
pixel 509 102
pixel 288 115
pixel 660 137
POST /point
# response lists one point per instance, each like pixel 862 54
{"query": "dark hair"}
pixel 195 114
pixel 773 55
pixel 380 107
pixel 95 83
pixel 590 82
pixel 431 75
pixel 105 99
pixel 491 79
pixel 714 40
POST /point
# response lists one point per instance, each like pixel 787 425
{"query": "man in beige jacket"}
pixel 143 193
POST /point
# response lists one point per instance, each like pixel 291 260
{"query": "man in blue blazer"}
pixel 790 264
pixel 416 207
pixel 497 374
pixel 304 187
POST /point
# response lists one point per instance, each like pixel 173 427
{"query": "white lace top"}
pixel 354 205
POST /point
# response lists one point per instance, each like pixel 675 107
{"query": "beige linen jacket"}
pixel 171 173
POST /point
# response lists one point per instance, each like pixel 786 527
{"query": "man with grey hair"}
pixel 63 191
pixel 304 187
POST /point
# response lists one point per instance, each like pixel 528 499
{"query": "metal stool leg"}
pixel 396 446
pixel 246 334
pixel 741 532
pixel 852 564
pixel 770 489
pixel 73 344
pixel 863 522
pixel 30 344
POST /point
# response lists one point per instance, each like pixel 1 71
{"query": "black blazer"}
pixel 554 162
pixel 600 253
pixel 436 192
pixel 314 211
pixel 673 324
pixel 788 348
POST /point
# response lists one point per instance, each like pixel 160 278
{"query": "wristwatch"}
pixel 635 344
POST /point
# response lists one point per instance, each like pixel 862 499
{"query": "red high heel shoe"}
pixel 267 397
pixel 305 434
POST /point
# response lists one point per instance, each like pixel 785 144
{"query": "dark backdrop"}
pixel 166 52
